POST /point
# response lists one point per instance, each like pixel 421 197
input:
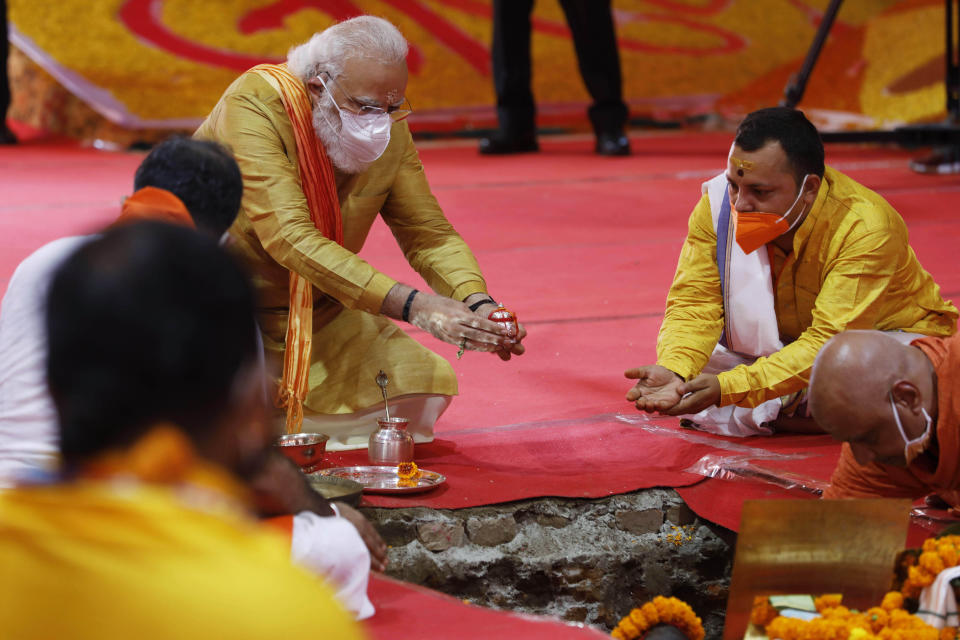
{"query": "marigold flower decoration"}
pixel 936 555
pixel 762 612
pixel 889 621
pixel 408 474
pixel 660 610
pixel 827 601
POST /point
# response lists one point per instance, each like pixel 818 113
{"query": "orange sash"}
pixel 151 203
pixel 320 189
pixel 282 525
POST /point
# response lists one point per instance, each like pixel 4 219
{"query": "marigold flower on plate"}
pixel 408 470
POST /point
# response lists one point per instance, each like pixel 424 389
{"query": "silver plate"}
pixel 385 479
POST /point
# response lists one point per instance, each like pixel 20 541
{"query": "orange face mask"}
pixel 757 228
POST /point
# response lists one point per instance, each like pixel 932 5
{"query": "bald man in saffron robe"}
pixel 899 421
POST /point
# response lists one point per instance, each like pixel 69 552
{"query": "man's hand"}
pixel 279 488
pixel 375 544
pixel 698 394
pixel 515 349
pixel 657 388
pixel 453 322
pixel 484 311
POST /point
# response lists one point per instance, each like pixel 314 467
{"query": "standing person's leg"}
pixel 6 136
pixel 595 40
pixel 511 79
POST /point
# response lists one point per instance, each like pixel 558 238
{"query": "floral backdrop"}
pixel 141 64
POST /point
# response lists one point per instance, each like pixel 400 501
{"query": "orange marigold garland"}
pixel 762 612
pixel 893 600
pixel 836 622
pixel 827 601
pixel 936 555
pixel 660 610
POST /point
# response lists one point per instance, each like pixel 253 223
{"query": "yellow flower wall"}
pixel 678 56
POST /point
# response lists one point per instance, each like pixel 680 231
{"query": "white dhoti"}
pixel 732 420
pixel 750 321
pixel 352 430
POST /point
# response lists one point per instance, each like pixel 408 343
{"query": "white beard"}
pixel 326 124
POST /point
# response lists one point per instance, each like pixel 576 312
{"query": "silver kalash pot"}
pixel 390 444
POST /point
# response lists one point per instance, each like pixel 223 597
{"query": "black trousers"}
pixel 594 39
pixel 4 72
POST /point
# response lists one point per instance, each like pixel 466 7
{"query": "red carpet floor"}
pixel 405 610
pixel 583 249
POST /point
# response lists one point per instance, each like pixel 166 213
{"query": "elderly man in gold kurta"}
pixel 782 253
pixel 352 80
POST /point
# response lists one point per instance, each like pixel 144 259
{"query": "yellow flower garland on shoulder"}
pixel 936 555
pixel 660 610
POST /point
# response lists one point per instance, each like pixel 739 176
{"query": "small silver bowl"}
pixel 305 449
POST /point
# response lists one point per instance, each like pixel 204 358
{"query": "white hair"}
pixel 360 37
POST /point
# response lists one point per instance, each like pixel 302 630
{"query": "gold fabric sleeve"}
pixel 428 240
pixel 276 210
pixel 693 320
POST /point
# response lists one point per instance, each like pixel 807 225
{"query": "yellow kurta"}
pixel 851 268
pixel 274 234
pixel 90 561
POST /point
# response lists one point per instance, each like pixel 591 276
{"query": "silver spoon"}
pixel 382 381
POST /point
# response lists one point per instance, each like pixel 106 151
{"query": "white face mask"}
pixel 912 448
pixel 365 138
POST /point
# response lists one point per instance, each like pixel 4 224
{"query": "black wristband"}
pixel 479 303
pixel 406 305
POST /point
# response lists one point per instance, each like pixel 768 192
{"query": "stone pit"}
pixel 584 560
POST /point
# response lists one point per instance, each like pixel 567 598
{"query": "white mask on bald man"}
pixel 912 448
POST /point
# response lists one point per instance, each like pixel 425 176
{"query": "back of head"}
pixel 361 37
pixel 148 323
pixel 851 377
pixel 797 136
pixel 202 173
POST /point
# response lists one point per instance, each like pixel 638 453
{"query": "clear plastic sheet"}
pixel 740 466
pixel 743 468
pixel 932 519
pixel 739 463
pixel 647 424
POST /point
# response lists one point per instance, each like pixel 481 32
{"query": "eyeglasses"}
pixel 396 112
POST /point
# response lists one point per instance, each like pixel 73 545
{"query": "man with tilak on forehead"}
pixel 782 253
